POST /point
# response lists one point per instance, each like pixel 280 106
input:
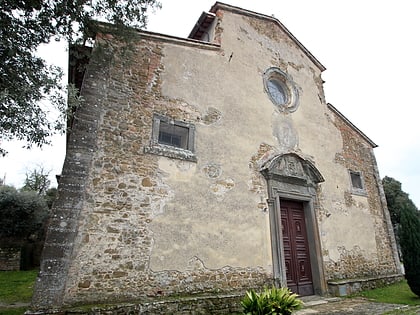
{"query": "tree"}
pixel 37 180
pixel 410 247
pixel 22 214
pixel 23 218
pixel 25 78
pixel 406 222
pixel 396 199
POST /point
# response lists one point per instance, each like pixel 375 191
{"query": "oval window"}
pixel 277 92
pixel 281 90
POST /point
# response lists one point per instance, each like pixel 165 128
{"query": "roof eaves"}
pixel 205 17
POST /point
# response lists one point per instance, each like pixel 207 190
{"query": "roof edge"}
pixel 108 28
pixel 349 123
pixel 242 11
pixel 200 21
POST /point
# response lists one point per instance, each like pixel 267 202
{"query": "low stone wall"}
pixel 351 286
pixel 216 304
pixel 9 258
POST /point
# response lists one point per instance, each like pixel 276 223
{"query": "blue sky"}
pixel 370 49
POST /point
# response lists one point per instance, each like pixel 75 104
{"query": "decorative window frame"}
pixel 289 87
pixel 167 150
pixel 356 190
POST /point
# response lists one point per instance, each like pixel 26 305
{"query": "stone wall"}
pixel 9 258
pixel 357 154
pixel 354 286
pixel 215 304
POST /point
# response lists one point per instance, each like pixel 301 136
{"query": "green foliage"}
pixel 410 247
pixel 37 181
pixel 406 221
pixel 396 199
pixel 25 78
pixel 276 301
pixel 22 214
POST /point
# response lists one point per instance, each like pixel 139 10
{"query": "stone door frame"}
pixel 290 177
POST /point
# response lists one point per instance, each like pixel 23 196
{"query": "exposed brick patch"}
pixel 270 29
pixel 218 31
pixel 257 182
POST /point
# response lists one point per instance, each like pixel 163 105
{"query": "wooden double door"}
pixel 296 248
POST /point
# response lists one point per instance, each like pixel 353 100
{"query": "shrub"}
pixel 22 213
pixel 276 301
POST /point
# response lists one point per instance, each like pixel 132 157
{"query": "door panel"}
pixel 295 246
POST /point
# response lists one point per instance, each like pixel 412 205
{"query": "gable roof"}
pixel 207 18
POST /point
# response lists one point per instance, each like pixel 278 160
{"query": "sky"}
pixel 370 49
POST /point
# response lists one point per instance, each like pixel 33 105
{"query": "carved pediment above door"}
pixel 292 168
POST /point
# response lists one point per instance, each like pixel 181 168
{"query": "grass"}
pixel 398 293
pixel 16 288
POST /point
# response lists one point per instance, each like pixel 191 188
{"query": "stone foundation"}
pixel 216 304
pixel 351 286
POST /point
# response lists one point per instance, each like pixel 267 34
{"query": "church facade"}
pixel 211 165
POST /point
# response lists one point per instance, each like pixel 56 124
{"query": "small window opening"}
pixel 172 138
pixel 356 180
pixel 171 134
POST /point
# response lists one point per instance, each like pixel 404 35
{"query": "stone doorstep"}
pixel 314 300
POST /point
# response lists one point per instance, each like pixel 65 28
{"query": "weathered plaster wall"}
pixel 363 246
pixel 157 226
pixel 351 247
pixel 151 225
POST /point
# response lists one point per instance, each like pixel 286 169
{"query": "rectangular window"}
pixel 174 135
pixel 357 183
pixel 356 180
pixel 172 138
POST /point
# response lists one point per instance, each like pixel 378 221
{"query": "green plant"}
pixel 276 301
